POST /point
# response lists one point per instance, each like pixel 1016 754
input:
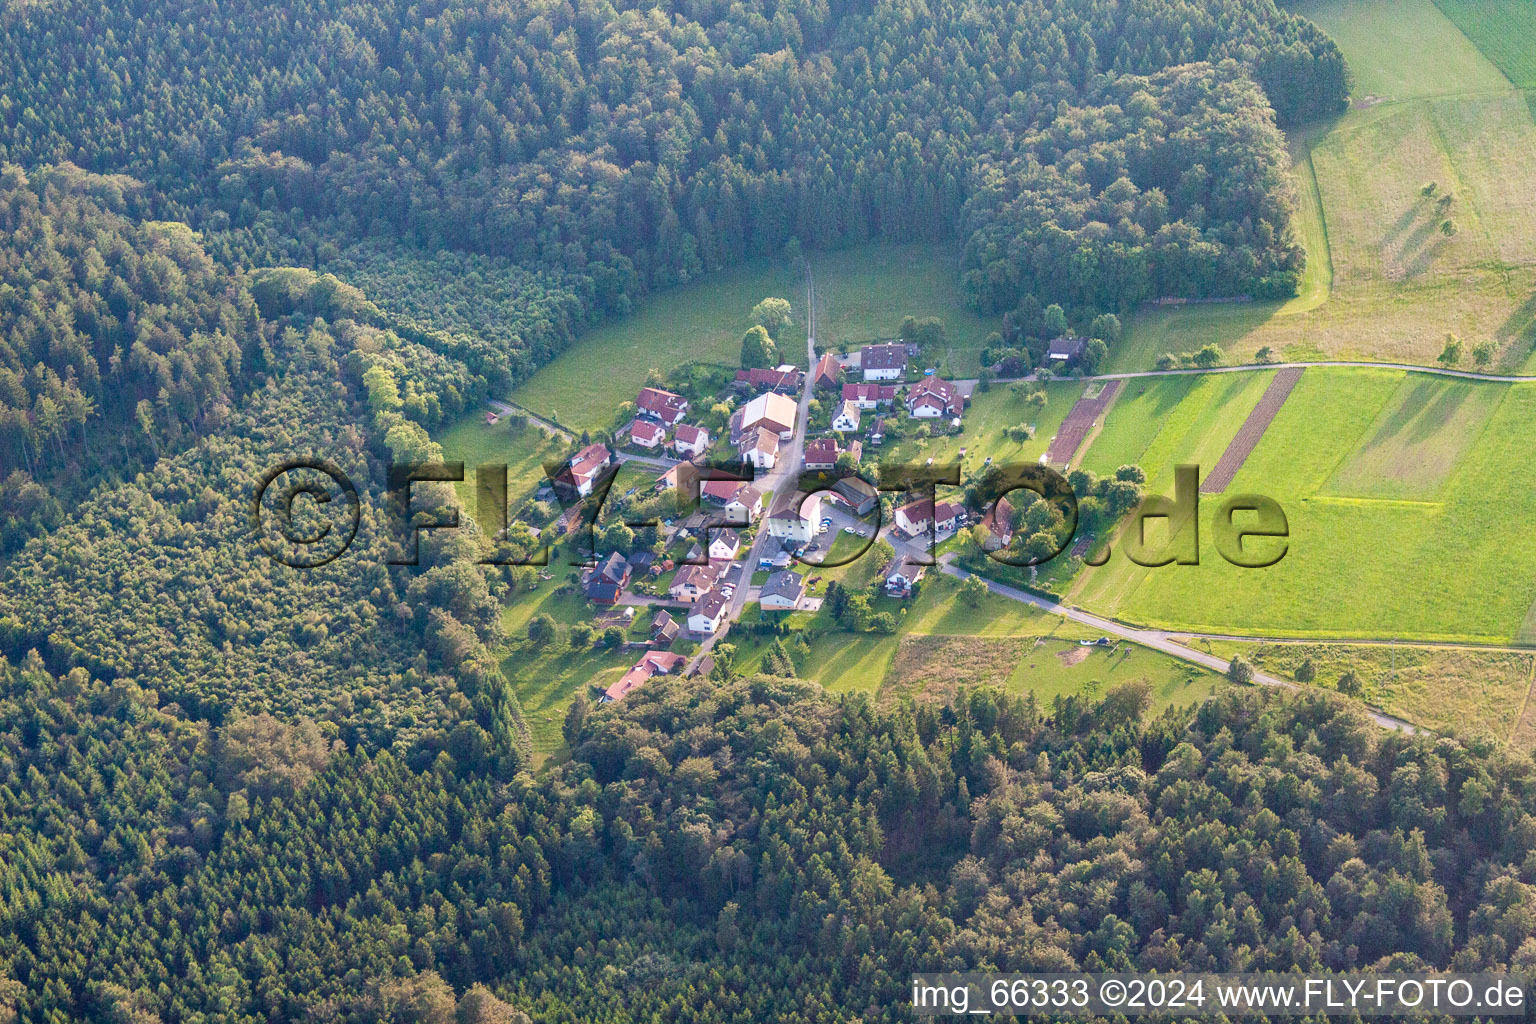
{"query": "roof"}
pixel 827 369
pixel 855 489
pixel 687 433
pixel 786 584
pixel 710 606
pixel 883 357
pixel 999 519
pixel 652 663
pixel 721 490
pixel 772 409
pixel 761 440
pixel 903 565
pixel 701 576
pixel 944 511
pixel 848 409
pixel 823 449
pixel 664 626
pixel 869 391
pixel 645 430
pixel 589 460
pixel 779 377
pixel 795 505
pixel 613 568
pixel 1066 347
pixel 940 394
pixel 730 538
pixel 599 589
pixel 661 404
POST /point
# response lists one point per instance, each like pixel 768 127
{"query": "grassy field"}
pixel 943 643
pixel 1429 108
pixel 703 320
pixel 1399 49
pixel 1460 691
pixel 861 294
pixel 1504 30
pixel 1453 563
pixel 1422 431
pixel 989 414
pixel 474 442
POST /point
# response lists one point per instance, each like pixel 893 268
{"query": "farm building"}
pixel 771 411
pixel 827 374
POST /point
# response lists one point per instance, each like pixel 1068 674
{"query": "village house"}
pixel 901 575
pixel 662 406
pixel 870 396
pixel 742 502
pixel 664 629
pixel 689 440
pixel 883 362
pixel 579 474
pixel 917 517
pixel 706 615
pixel 783 591
pixel 606 581
pixel 693 582
pixel 998 522
pixel 647 434
pixel 822 453
pixel 846 419
pixel 828 373
pixel 1066 350
pixel 931 397
pixel 681 475
pixel 773 412
pixel 760 447
pixel 724 546
pixel 877 432
pixel 651 664
pixel 784 380
pixel 794 517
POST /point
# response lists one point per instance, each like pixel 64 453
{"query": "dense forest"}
pixel 233 233
pixel 750 851
pixel 618 148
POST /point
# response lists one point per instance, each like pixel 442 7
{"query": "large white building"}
pixel 794 517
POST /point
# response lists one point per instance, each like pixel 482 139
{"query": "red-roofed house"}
pixel 782 379
pixel 647 434
pixel 827 373
pixel 662 406
pixel 653 663
pixel 822 452
pixel 869 396
pixel 689 440
pixel 915 517
pixel 932 397
pixel 694 581
pixel 999 524
pixel 584 468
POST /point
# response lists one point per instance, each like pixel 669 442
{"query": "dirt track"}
pixel 1253 428
pixel 1078 423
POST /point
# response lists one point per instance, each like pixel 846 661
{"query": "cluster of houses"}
pixel 863 406
pixel 656 413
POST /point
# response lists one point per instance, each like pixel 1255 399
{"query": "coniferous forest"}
pixel 230 790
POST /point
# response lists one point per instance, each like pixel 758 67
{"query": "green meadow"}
pixel 1404 495
pixel 990 413
pixel 862 294
pixel 942 643
pixel 523 451
pixel 1390 270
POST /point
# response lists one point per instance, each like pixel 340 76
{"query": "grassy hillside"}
pixel 1405 502
pixel 1403 269
pixel 861 294
pixel 1505 30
